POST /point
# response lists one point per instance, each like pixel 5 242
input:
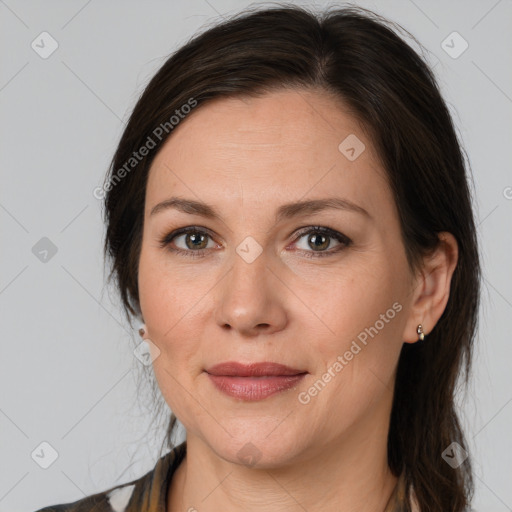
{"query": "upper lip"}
pixel 233 368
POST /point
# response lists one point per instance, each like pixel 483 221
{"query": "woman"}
pixel 288 213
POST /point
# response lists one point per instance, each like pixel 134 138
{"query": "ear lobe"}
pixel 433 288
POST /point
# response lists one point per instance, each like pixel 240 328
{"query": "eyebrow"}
pixel 285 211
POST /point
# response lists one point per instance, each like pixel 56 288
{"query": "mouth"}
pixel 255 381
pixel 265 369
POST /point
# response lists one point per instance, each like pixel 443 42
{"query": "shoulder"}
pixel 115 499
pixel 145 493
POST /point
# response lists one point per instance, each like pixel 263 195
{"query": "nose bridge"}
pixel 249 301
pixel 247 279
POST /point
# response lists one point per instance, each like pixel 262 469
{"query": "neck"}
pixel 348 473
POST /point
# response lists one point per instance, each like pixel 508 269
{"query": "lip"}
pixel 266 368
pixel 255 381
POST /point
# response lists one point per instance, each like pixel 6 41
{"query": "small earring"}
pixel 142 330
pixel 420 332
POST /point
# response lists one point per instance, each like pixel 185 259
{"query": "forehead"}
pixel 285 143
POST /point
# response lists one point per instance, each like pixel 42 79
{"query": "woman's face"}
pixel 260 283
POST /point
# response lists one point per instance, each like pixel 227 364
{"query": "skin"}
pixel 246 157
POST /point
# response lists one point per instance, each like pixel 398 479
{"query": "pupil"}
pixel 317 238
pixel 195 239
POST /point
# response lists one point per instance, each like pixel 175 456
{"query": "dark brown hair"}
pixel 356 56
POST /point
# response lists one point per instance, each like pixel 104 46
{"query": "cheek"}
pixel 167 293
pixel 173 301
pixel 365 317
pixel 356 365
pixel 355 300
pixel 161 314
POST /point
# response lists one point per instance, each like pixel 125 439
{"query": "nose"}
pixel 251 298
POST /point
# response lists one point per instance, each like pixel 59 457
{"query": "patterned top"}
pixel 149 493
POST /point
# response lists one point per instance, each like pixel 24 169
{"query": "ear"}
pixel 432 287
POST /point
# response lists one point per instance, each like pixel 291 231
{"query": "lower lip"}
pixel 254 388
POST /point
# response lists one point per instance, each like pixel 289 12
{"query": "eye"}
pixel 320 238
pixel 193 241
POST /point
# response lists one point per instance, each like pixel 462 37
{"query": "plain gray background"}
pixel 67 372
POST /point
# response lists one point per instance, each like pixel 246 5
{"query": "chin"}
pixel 259 451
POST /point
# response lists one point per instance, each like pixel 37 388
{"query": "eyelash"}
pixel 344 240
